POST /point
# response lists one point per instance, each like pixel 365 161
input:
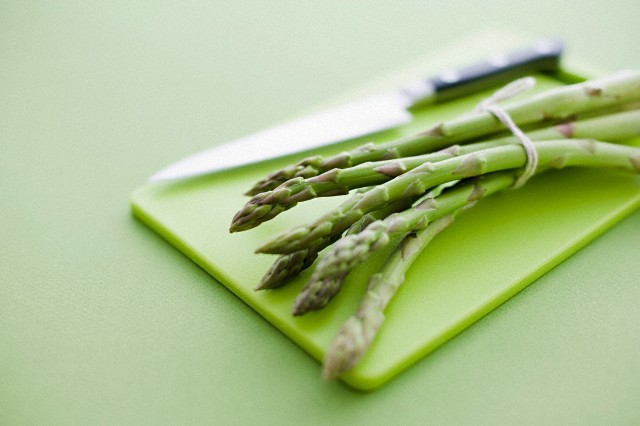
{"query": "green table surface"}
pixel 102 321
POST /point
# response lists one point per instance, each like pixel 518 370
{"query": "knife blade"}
pixel 366 116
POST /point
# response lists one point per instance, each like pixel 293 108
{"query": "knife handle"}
pixel 544 55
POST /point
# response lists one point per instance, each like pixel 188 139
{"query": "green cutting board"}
pixel 489 254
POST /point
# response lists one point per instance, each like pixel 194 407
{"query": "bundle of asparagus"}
pixel 414 187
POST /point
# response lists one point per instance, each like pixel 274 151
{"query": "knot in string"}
pixel 490 105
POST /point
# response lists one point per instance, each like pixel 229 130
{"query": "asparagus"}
pixel 404 170
pixel 356 334
pixel 288 266
pixel 351 250
pixel 305 168
pixel 265 206
pixel 556 104
pixel 417 181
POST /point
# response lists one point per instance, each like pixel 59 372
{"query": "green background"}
pixel 101 321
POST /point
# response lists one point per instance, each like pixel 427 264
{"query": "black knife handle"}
pixel 544 55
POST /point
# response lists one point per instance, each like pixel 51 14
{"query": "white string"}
pixel 490 105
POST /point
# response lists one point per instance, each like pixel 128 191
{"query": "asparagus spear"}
pixel 267 205
pixel 613 127
pixel 353 249
pixel 556 104
pixel 290 265
pixel 356 334
pixel 350 251
pixel 428 175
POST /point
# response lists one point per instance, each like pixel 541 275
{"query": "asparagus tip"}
pixel 346 349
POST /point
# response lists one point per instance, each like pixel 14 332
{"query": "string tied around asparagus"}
pixel 490 105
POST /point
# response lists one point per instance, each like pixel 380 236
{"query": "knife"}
pixel 366 116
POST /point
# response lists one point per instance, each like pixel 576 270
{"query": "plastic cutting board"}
pixel 489 254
